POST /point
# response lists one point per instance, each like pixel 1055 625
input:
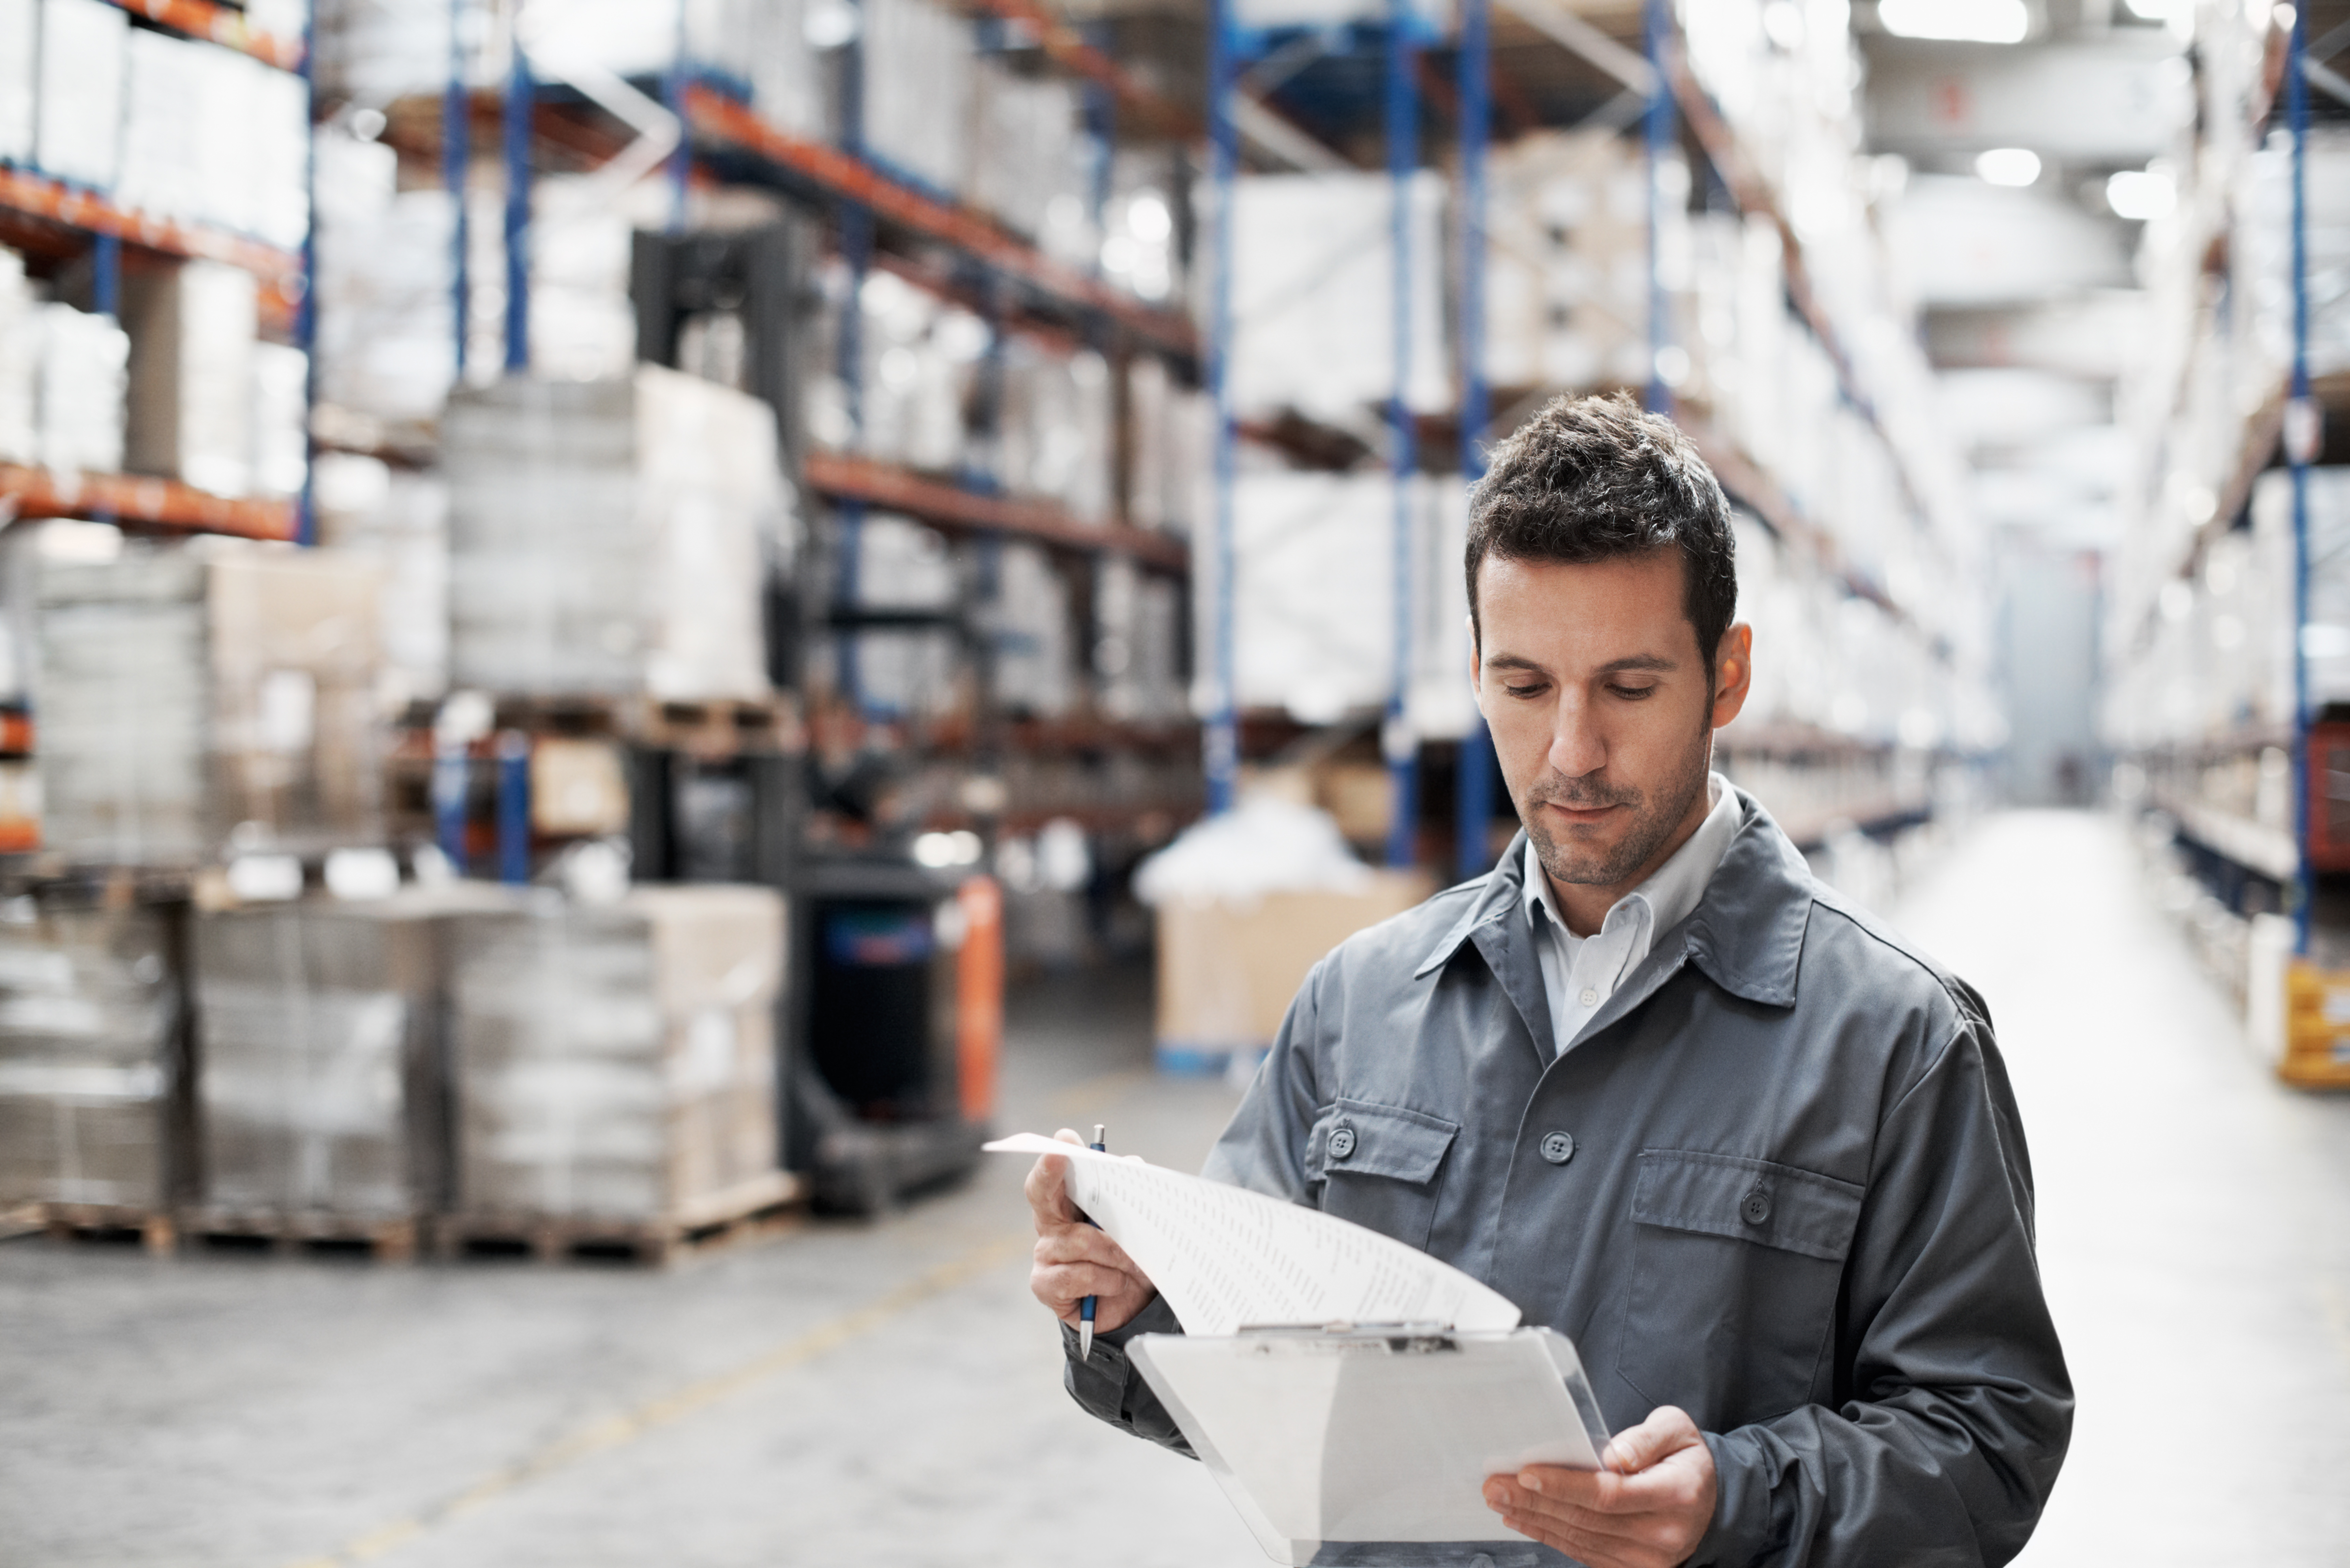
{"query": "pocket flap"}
pixel 1361 1140
pixel 1747 1200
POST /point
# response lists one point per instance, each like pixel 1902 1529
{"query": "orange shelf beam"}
pixel 138 499
pixel 1067 47
pixel 717 117
pixel 952 506
pixel 219 24
pixel 43 198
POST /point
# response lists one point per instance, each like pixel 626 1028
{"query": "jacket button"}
pixel 1557 1148
pixel 1342 1141
pixel 1756 1207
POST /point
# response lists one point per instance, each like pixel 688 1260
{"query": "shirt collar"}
pixel 1672 889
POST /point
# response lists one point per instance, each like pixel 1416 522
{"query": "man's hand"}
pixel 1648 1509
pixel 1074 1260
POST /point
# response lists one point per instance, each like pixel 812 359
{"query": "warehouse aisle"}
pixel 2190 1212
pixel 888 1394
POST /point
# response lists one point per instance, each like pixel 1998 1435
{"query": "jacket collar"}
pixel 1746 933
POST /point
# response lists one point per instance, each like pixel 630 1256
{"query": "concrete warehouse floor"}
pixel 888 1394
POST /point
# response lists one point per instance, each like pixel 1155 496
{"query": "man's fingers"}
pixel 1082 1244
pixel 1668 1430
pixel 1063 1286
pixel 1048 1186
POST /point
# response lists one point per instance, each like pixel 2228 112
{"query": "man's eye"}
pixel 1633 693
pixel 1535 690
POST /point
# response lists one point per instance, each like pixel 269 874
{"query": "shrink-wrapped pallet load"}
pixel 89 1054
pixel 191 692
pixel 322 1097
pixel 614 1067
pixel 83 49
pixel 612 537
pixel 82 376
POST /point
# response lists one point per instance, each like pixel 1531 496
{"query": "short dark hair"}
pixel 1589 479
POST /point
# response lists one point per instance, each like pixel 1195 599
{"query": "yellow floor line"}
pixel 613 1431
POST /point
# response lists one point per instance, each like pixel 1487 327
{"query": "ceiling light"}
pixel 2141 194
pixel 1959 21
pixel 2009 166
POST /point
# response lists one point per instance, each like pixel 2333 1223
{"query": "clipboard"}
pixel 1369 1444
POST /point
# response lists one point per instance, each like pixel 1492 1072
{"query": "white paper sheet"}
pixel 1228 1259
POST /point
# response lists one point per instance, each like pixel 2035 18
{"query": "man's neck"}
pixel 1585 905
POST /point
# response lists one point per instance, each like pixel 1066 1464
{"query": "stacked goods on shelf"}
pixel 79 95
pixel 1567 276
pixel 398 520
pixel 612 537
pixel 82 380
pixel 1054 438
pixel 1137 646
pixel 321 1099
pixel 917 90
pixel 919 358
pixel 384 342
pixel 613 1068
pixel 1313 613
pixel 1033 668
pixel 193 692
pixel 211 135
pixel 1029 163
pixel 904 569
pixel 2267 257
pixel 1313 298
pixel 1171 450
pixel 89 1058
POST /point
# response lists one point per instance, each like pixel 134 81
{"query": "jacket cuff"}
pixel 1108 1387
pixel 1740 1531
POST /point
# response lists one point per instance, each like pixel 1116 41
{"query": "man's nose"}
pixel 1575 746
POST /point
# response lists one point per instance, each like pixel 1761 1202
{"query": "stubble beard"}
pixel 1570 863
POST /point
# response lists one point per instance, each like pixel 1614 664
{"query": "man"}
pixel 1654 1084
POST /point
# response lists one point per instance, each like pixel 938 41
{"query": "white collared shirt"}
pixel 1580 973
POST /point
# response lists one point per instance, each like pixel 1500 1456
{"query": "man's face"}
pixel 1601 708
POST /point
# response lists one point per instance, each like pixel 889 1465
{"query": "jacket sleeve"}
pixel 1263 1149
pixel 1952 1402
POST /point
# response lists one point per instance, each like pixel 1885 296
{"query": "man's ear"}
pixel 1733 673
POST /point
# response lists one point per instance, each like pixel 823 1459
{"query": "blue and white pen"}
pixel 1085 1308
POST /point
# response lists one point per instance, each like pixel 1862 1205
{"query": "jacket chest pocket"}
pixel 1379 1165
pixel 1735 1269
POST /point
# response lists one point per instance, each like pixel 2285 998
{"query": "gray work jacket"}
pixel 1779 1181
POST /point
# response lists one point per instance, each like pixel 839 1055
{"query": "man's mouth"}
pixel 1574 813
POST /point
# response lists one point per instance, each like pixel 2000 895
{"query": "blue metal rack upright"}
pixel 2300 440
pixel 1402 35
pixel 1472 778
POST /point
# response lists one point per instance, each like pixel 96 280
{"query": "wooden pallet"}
pixel 761 1207
pixel 387 1240
pixel 155 1227
pixel 711 727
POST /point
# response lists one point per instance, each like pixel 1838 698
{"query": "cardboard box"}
pixel 189 413
pixel 1228 972
pixel 616 1065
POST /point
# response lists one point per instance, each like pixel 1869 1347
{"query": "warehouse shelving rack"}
pixel 45 214
pixel 2290 428
pixel 1671 93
